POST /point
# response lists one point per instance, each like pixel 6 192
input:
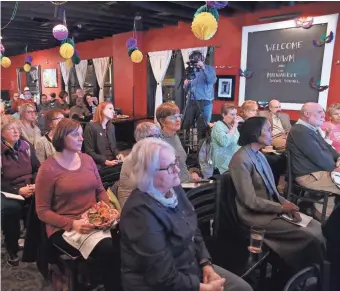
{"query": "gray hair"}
pixel 147 129
pixel 145 161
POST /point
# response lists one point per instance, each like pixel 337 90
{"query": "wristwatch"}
pixel 205 263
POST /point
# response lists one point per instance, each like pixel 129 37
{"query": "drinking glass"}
pixel 256 239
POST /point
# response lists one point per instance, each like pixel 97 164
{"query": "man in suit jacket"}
pixel 280 123
pixel 312 158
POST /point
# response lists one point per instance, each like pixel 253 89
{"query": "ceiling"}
pixel 88 20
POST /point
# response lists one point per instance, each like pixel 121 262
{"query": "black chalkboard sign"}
pixel 283 61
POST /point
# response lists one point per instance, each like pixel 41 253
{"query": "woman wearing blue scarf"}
pixel 161 245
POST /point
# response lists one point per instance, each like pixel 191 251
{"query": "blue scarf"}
pixel 170 202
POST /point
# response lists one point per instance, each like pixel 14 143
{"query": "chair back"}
pixel 205 200
pixel 289 185
pixel 302 280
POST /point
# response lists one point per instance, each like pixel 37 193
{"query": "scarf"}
pixel 170 202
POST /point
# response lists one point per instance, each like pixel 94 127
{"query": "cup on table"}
pixel 256 239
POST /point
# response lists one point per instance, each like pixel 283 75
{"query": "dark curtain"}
pixel 179 74
pixel 151 91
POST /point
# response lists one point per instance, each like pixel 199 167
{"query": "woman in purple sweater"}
pixel 67 185
pixel 19 166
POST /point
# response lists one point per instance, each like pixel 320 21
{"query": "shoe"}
pixel 12 259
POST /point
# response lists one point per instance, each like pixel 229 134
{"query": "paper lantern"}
pixel 131 43
pixel 136 56
pixel 2 48
pixel 29 59
pixel 27 68
pixel 130 51
pixel 217 4
pixel 204 26
pixel 206 8
pixel 5 62
pixel 66 51
pixel 69 63
pixel 75 59
pixel 60 32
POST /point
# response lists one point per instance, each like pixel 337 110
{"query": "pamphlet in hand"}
pixel 13 196
pixel 305 219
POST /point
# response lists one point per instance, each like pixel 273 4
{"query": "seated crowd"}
pixel 46 155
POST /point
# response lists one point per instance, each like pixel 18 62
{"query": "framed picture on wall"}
pixel 225 87
pixel 50 78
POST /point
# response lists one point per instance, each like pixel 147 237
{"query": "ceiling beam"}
pixel 158 7
pixel 242 6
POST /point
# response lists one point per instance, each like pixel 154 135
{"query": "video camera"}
pixel 191 69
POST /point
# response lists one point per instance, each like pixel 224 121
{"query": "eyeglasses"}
pixel 31 111
pixel 155 135
pixel 172 167
pixel 175 116
pixel 13 129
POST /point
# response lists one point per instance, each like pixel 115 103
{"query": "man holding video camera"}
pixel 199 88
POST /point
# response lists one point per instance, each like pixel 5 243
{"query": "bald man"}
pixel 313 159
pixel 279 121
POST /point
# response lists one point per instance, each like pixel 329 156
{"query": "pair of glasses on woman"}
pixel 175 116
pixel 172 167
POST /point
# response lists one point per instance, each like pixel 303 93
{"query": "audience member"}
pixel 161 245
pixel 44 146
pixel 224 137
pixel 259 203
pixel 280 123
pixel 29 130
pixel 79 111
pixel 90 103
pixel 19 166
pixel 45 105
pixel 67 185
pixel 331 232
pixel 16 97
pixel 248 109
pixel 313 159
pixel 2 109
pixel 143 130
pixel 167 114
pixel 332 127
pixel 79 94
pixel 100 141
pixel 61 102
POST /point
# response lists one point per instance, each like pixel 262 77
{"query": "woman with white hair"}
pixel 161 245
pixel 29 130
pixel 143 130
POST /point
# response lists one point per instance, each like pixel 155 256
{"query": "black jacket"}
pixel 309 151
pixel 161 247
pixel 94 141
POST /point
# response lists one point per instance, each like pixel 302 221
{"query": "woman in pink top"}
pixel 67 185
pixel 332 127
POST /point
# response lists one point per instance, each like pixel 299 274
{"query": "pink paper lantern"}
pixel 60 32
pixel 2 48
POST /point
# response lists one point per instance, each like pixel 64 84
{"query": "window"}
pixel 91 84
pixel 169 82
pixel 108 88
pixel 73 84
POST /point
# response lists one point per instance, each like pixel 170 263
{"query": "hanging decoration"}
pixel 76 58
pixel 317 86
pixel 247 74
pixel 324 39
pixel 60 32
pixel 205 23
pixel 304 22
pixel 2 48
pixel 66 51
pixel 28 61
pixel 27 67
pixel 69 63
pixel 5 62
pixel 217 4
pixel 134 53
pixel 13 14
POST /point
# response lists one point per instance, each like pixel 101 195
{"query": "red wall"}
pixel 130 79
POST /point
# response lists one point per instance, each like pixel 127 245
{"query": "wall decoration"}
pixel 225 87
pixel 134 53
pixel 5 62
pixel 247 74
pixel 284 59
pixel 204 26
pixel 50 78
pixel 324 39
pixel 60 32
pixel 304 22
pixel 217 4
pixel 2 48
pixel 66 51
pixel 317 86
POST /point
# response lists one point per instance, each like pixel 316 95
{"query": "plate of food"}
pixel 101 215
pixel 122 116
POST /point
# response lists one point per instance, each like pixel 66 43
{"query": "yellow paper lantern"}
pixel 204 26
pixel 69 63
pixel 66 51
pixel 5 62
pixel 136 56
pixel 27 68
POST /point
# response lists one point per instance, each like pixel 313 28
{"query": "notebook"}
pixel 12 196
pixel 305 219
